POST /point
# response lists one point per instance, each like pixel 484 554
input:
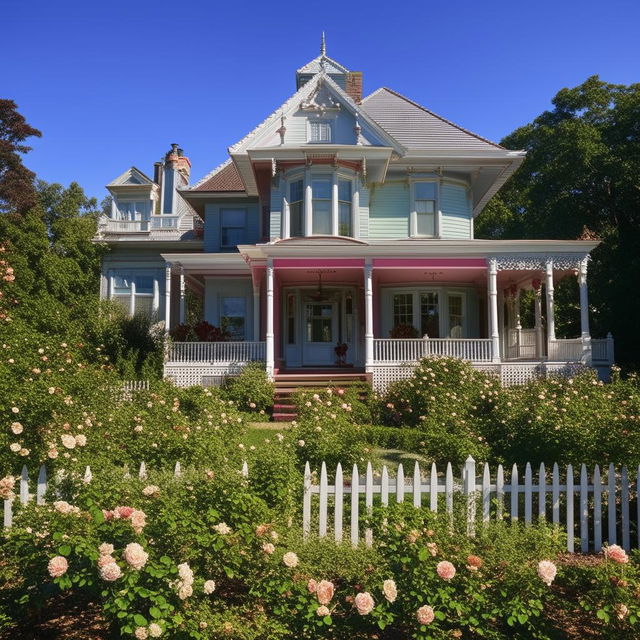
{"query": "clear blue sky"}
pixel 111 84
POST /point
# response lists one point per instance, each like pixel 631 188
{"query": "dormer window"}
pixel 319 131
pixel 134 210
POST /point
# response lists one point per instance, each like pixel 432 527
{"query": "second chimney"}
pixel 353 86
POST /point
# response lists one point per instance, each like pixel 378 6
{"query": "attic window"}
pixel 319 131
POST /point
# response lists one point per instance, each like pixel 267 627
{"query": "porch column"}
pixel 493 310
pixel 183 298
pixel 538 320
pixel 167 297
pixel 551 323
pixel 269 336
pixel 584 312
pixel 156 297
pixel 368 315
pixel 355 209
pixel 256 311
pixel 132 298
pixel 518 321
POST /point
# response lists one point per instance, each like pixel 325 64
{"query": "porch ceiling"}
pixel 310 276
pixel 475 276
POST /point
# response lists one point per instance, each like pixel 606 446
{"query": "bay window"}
pixel 137 293
pixel 320 203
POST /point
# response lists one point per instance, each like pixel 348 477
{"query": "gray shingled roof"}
pixel 415 127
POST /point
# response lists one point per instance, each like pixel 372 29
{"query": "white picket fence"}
pixel 576 504
pixel 24 494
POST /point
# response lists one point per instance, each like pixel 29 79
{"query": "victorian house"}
pixel 338 239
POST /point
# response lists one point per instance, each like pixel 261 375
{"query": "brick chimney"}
pixel 176 160
pixel 353 85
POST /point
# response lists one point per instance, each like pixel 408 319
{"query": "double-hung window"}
pixel 425 209
pixel 319 131
pixel 135 293
pixel 296 190
pixel 233 225
pixel 233 313
pixel 344 208
pixel 322 197
pixel 403 309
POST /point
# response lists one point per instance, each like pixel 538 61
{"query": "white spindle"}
pixel 584 510
pixel 322 528
pixel 433 488
pixel 41 488
pixel 384 486
pixel 611 503
pixel 448 491
pixel 528 494
pixel 88 475
pixel 355 495
pixel 570 521
pixel 542 492
pixel 597 510
pixel 177 471
pixel 306 501
pixel 400 484
pixel 514 492
pixel 486 494
pixel 24 486
pixel 245 469
pixel 624 504
pixel 338 506
pixel 500 493
pixel 8 514
pixel 142 474
pixel 417 486
pixel 368 502
pixel 555 494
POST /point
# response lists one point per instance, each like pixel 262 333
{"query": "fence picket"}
pixel 486 494
pixel 142 474
pixel 597 510
pixel 384 487
pixel 624 504
pixel 245 469
pixel 322 524
pixel 400 484
pixel 306 501
pixel 433 488
pixel 355 494
pixel 555 494
pixel 448 491
pixel 542 492
pixel 514 492
pixel 584 510
pixel 338 506
pixel 88 475
pixel 570 522
pixel 528 494
pixel 177 470
pixel 24 485
pixel 611 504
pixel 469 485
pixel 368 503
pixel 41 488
pixel 500 493
pixel 417 486
pixel 7 519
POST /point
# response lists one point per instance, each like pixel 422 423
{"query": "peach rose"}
pixel 364 603
pixel 547 571
pixel 57 566
pixel 322 611
pixel 135 556
pixel 290 559
pixel 325 591
pixel 425 614
pixel 616 553
pixel 445 570
pixel 110 572
pixel 390 590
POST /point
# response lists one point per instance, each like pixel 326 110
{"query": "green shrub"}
pixel 251 390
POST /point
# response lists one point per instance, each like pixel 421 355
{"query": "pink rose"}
pixel 105 559
pixel 547 571
pixel 364 603
pixel 135 556
pixel 268 548
pixel 425 614
pixel 616 553
pixel 445 570
pixel 390 590
pixel 138 520
pixel 108 515
pixel 57 566
pixel 110 572
pixel 312 585
pixel 325 591
pixel 123 512
pixel 322 611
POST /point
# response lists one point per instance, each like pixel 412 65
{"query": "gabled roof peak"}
pixel 321 64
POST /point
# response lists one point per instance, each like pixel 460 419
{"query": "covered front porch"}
pixel 382 314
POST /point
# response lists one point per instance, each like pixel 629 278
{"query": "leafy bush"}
pixel 251 390
pixel 202 331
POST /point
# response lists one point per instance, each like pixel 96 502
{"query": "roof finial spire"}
pixel 323 46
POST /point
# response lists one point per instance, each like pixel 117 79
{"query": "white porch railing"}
pixel 163 222
pixel 568 350
pixel 124 226
pixel 602 350
pixel 522 344
pixel 215 352
pixel 399 351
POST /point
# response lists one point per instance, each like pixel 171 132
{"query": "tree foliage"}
pixel 582 173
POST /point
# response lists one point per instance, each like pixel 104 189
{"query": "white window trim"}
pixel 413 214
pixel 308 175
pixel 329 123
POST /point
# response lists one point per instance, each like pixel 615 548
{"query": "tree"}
pixel 582 174
pixel 17 191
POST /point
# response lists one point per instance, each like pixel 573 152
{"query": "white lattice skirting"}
pixel 509 373
pixel 185 375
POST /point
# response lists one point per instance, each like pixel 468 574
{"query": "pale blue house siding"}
pixel 212 223
pixel 363 213
pixel 217 288
pixel 389 211
pixel 275 217
pixel 456 212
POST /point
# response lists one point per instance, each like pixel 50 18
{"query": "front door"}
pixel 320 333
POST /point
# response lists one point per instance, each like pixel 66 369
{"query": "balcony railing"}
pixel 567 350
pixel 156 224
pixel 602 350
pixel 165 222
pixel 215 352
pixel 399 351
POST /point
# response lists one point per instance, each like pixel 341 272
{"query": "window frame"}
pixel 221 315
pixel 133 294
pixel 321 123
pixel 413 214
pixel 243 227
